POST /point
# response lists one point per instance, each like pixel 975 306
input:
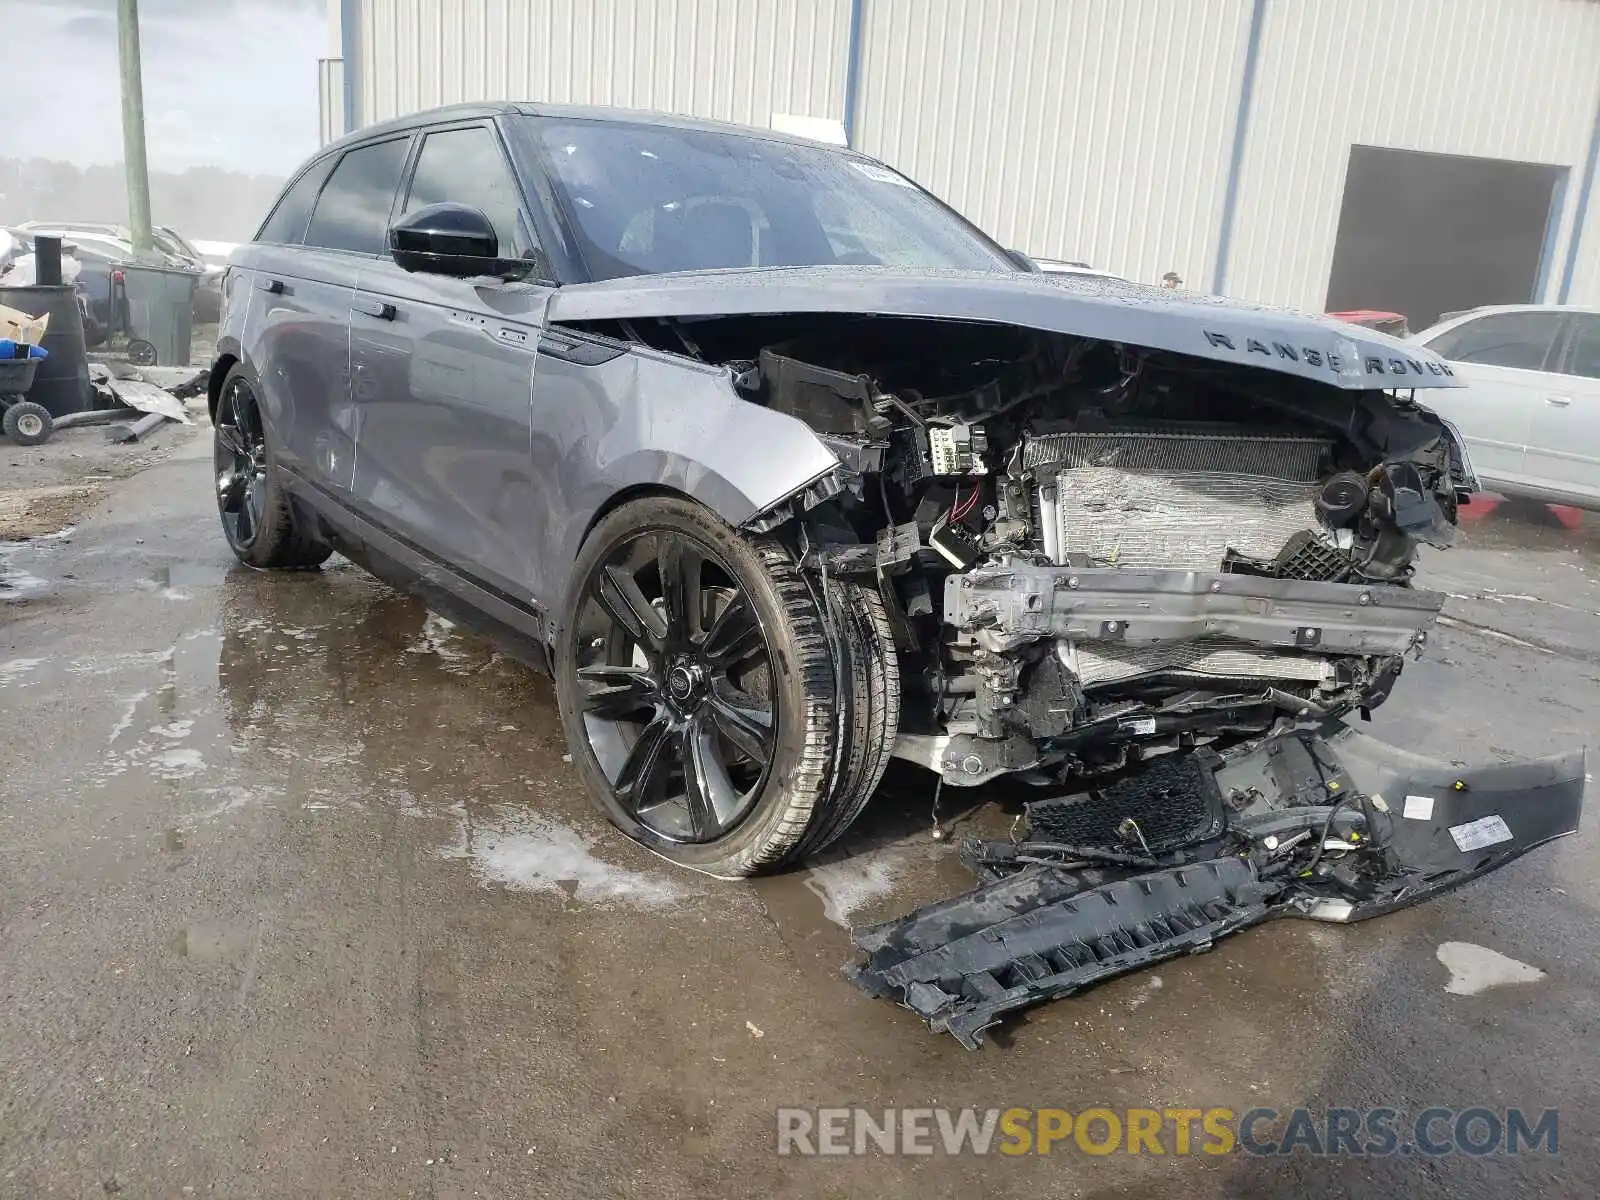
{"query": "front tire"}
pixel 697 688
pixel 262 527
pixel 869 668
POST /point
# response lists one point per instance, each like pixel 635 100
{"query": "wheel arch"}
pixel 225 362
pixel 660 473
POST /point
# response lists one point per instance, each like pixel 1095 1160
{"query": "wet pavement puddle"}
pixel 1475 969
pixel 332 694
pixel 855 878
pixel 526 851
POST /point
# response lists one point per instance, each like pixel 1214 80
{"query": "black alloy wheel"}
pixel 676 686
pixel 240 462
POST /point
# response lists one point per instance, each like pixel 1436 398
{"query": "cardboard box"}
pixel 20 327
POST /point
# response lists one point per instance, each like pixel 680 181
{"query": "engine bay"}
pixel 1093 552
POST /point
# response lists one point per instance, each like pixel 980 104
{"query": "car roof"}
pixel 1487 309
pixel 574 112
pixel 1450 320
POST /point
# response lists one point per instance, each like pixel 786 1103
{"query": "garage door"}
pixel 1422 234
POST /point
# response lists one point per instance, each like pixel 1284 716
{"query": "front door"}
pixel 1564 445
pixel 1503 357
pixel 442 373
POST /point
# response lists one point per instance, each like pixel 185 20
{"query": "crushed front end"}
pixel 1158 585
pixel 1147 553
pixel 1094 553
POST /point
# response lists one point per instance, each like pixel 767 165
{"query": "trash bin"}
pixel 62 381
pixel 160 313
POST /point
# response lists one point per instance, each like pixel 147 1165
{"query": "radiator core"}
pixel 1146 499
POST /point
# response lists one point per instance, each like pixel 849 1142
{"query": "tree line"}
pixel 202 202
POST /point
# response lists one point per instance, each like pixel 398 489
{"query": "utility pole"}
pixel 133 126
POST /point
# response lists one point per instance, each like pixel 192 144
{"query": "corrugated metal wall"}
pixel 1096 130
pixel 1099 130
pixel 1586 278
pixel 734 60
pixel 330 99
pixel 1517 79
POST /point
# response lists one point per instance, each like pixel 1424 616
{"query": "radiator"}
pixel 1163 499
pixel 1099 663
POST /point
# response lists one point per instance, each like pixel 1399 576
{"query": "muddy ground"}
pixel 298 897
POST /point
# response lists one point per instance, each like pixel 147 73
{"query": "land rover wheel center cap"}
pixel 686 681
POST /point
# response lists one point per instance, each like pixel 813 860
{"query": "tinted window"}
pixel 287 224
pixel 353 211
pixel 465 166
pixel 1501 340
pixel 647 198
pixel 1585 357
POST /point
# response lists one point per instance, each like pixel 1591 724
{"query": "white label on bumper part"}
pixel 1475 835
pixel 1419 808
pixel 1139 725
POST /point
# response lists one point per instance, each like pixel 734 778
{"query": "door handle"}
pixel 1558 401
pixel 373 308
pixel 275 286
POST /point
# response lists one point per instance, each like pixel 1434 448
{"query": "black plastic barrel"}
pixel 62 381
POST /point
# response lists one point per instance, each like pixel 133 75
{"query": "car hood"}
pixel 1106 308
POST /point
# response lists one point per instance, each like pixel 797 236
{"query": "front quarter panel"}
pixel 646 420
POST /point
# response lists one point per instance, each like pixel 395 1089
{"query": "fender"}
pixel 651 421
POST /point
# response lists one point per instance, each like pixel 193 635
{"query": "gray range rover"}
pixel 782 469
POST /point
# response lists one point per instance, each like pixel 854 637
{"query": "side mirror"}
pixel 449 239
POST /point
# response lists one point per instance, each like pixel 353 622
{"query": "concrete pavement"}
pixel 299 897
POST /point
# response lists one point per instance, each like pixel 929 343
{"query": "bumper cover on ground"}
pixel 1395 828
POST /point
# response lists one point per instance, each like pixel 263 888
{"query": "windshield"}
pixel 651 198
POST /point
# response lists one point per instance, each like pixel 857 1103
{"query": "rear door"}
pixel 1564 446
pixel 443 377
pixel 1504 357
pixel 301 292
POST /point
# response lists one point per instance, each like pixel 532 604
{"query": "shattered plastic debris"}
pixel 1304 836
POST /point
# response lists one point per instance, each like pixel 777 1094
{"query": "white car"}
pixel 1531 418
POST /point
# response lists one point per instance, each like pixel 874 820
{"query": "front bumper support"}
pixel 1007 606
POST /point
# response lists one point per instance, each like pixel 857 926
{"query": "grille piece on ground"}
pixel 1174 801
pixel 1044 941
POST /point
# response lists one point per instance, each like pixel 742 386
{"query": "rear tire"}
pixel 674 616
pixel 262 527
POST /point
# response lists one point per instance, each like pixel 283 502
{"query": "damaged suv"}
pixel 783 469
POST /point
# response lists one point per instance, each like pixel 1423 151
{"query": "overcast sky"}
pixel 227 83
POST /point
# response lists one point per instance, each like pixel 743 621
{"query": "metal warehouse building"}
pixel 1416 155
